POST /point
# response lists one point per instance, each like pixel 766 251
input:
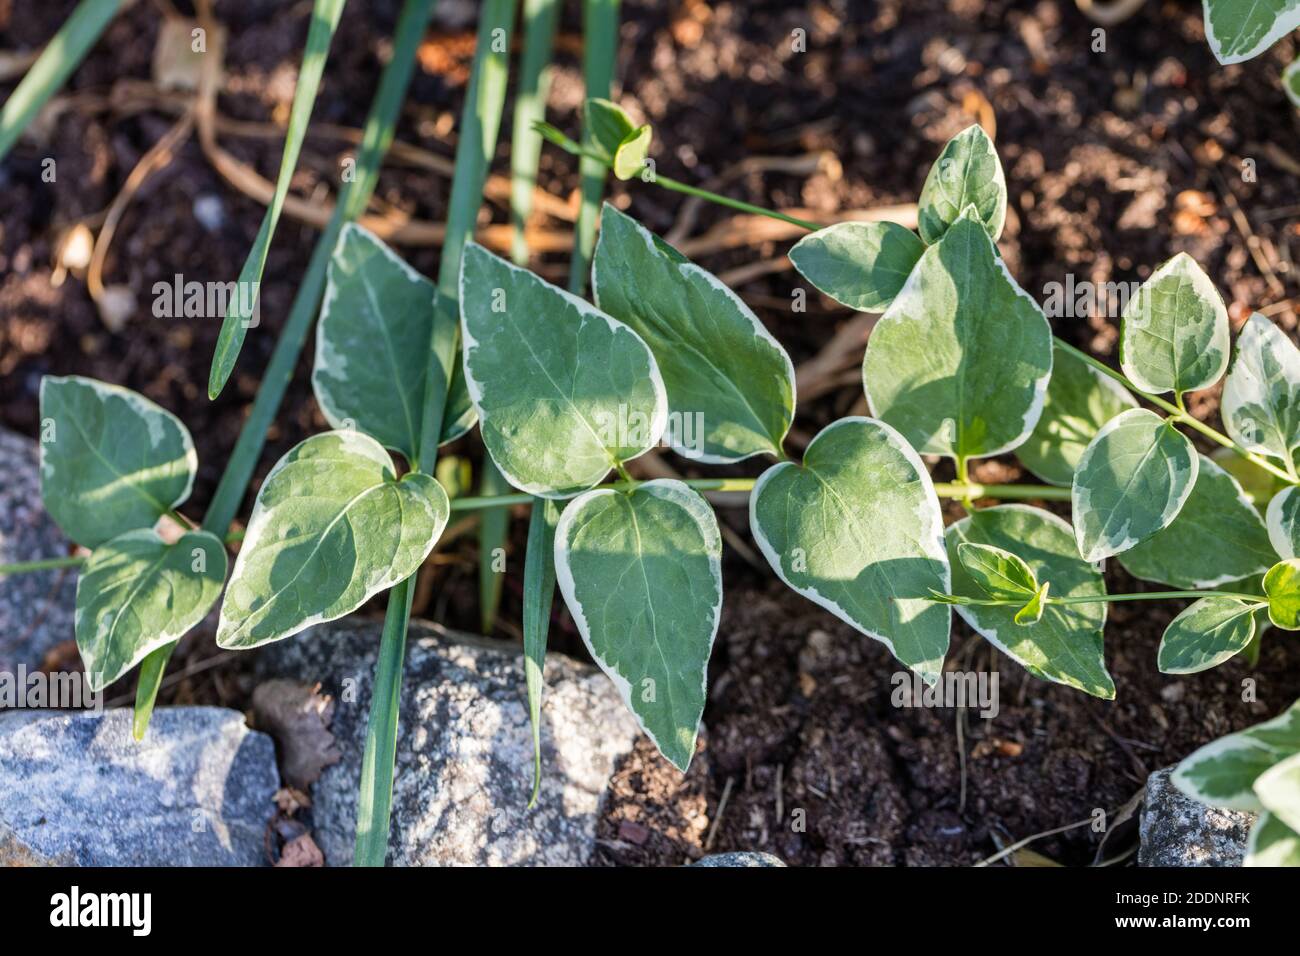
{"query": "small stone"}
pixel 36 608
pixel 742 859
pixel 79 790
pixel 464 748
pixel 1179 831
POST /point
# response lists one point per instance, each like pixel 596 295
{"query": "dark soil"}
pixel 1114 162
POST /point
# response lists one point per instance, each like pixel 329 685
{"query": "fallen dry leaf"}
pixel 301 851
pixel 298 716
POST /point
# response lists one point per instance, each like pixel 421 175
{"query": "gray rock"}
pixel 77 789
pixel 740 860
pixel 464 749
pixel 35 609
pixel 1179 831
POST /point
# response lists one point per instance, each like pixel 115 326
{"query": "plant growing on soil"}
pixel 1256 770
pixel 962 365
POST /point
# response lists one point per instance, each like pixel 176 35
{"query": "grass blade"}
pixel 146 688
pixel 53 67
pixel 324 19
pixel 480 123
pixel 493 527
pixel 376 137
pixel 599 53
pixel 540 19
pixel 539 591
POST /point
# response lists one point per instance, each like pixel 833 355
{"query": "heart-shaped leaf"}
pixel 1223 772
pixel 1272 843
pixel 1065 644
pixel 1261 395
pixel 332 527
pixel 1174 333
pixel 857 530
pixel 730 384
pixel 967 173
pixel 1132 480
pixel 137 593
pixel 960 362
pixel 642 575
pixel 111 460
pixel 1278 789
pixel 1238 31
pixel 1217 537
pixel 1282 588
pixel 564 392
pixel 997 572
pixel 1079 401
pixel 372 342
pixel 1205 635
pixel 863 265
pixel 1283 521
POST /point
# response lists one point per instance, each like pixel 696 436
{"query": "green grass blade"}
pixel 493 528
pixel 539 590
pixel 324 19
pixel 53 67
pixel 540 19
pixel 375 798
pixel 146 689
pixel 479 125
pixel 599 53
pixel 376 137
pixel 480 122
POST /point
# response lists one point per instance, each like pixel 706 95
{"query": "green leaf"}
pixel 137 593
pixel 240 311
pixel 1272 843
pixel 1223 772
pixel 1259 485
pixel 1205 635
pixel 1282 588
pixel 332 527
pixel 960 362
pixel 642 575
pixel 1278 789
pixel 564 393
pixel 1079 401
pixel 1217 537
pixel 863 265
pixel 1032 612
pixel 1065 645
pixel 730 384
pixel 609 127
pixel 966 173
pixel 1283 521
pixel 857 530
pixel 1261 395
pixel 996 572
pixel 1239 30
pixel 630 157
pixel 372 342
pixel 1174 331
pixel 1291 82
pixel 539 591
pixel 111 460
pixel 1132 480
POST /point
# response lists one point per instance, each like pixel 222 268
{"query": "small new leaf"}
pixel 1032 612
pixel 1282 588
pixel 998 573
pixel 967 172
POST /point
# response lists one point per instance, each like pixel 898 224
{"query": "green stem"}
pixel 375 798
pixel 376 137
pixel 680 187
pixel 599 51
pixel 1252 599
pixel 53 67
pixel 45 564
